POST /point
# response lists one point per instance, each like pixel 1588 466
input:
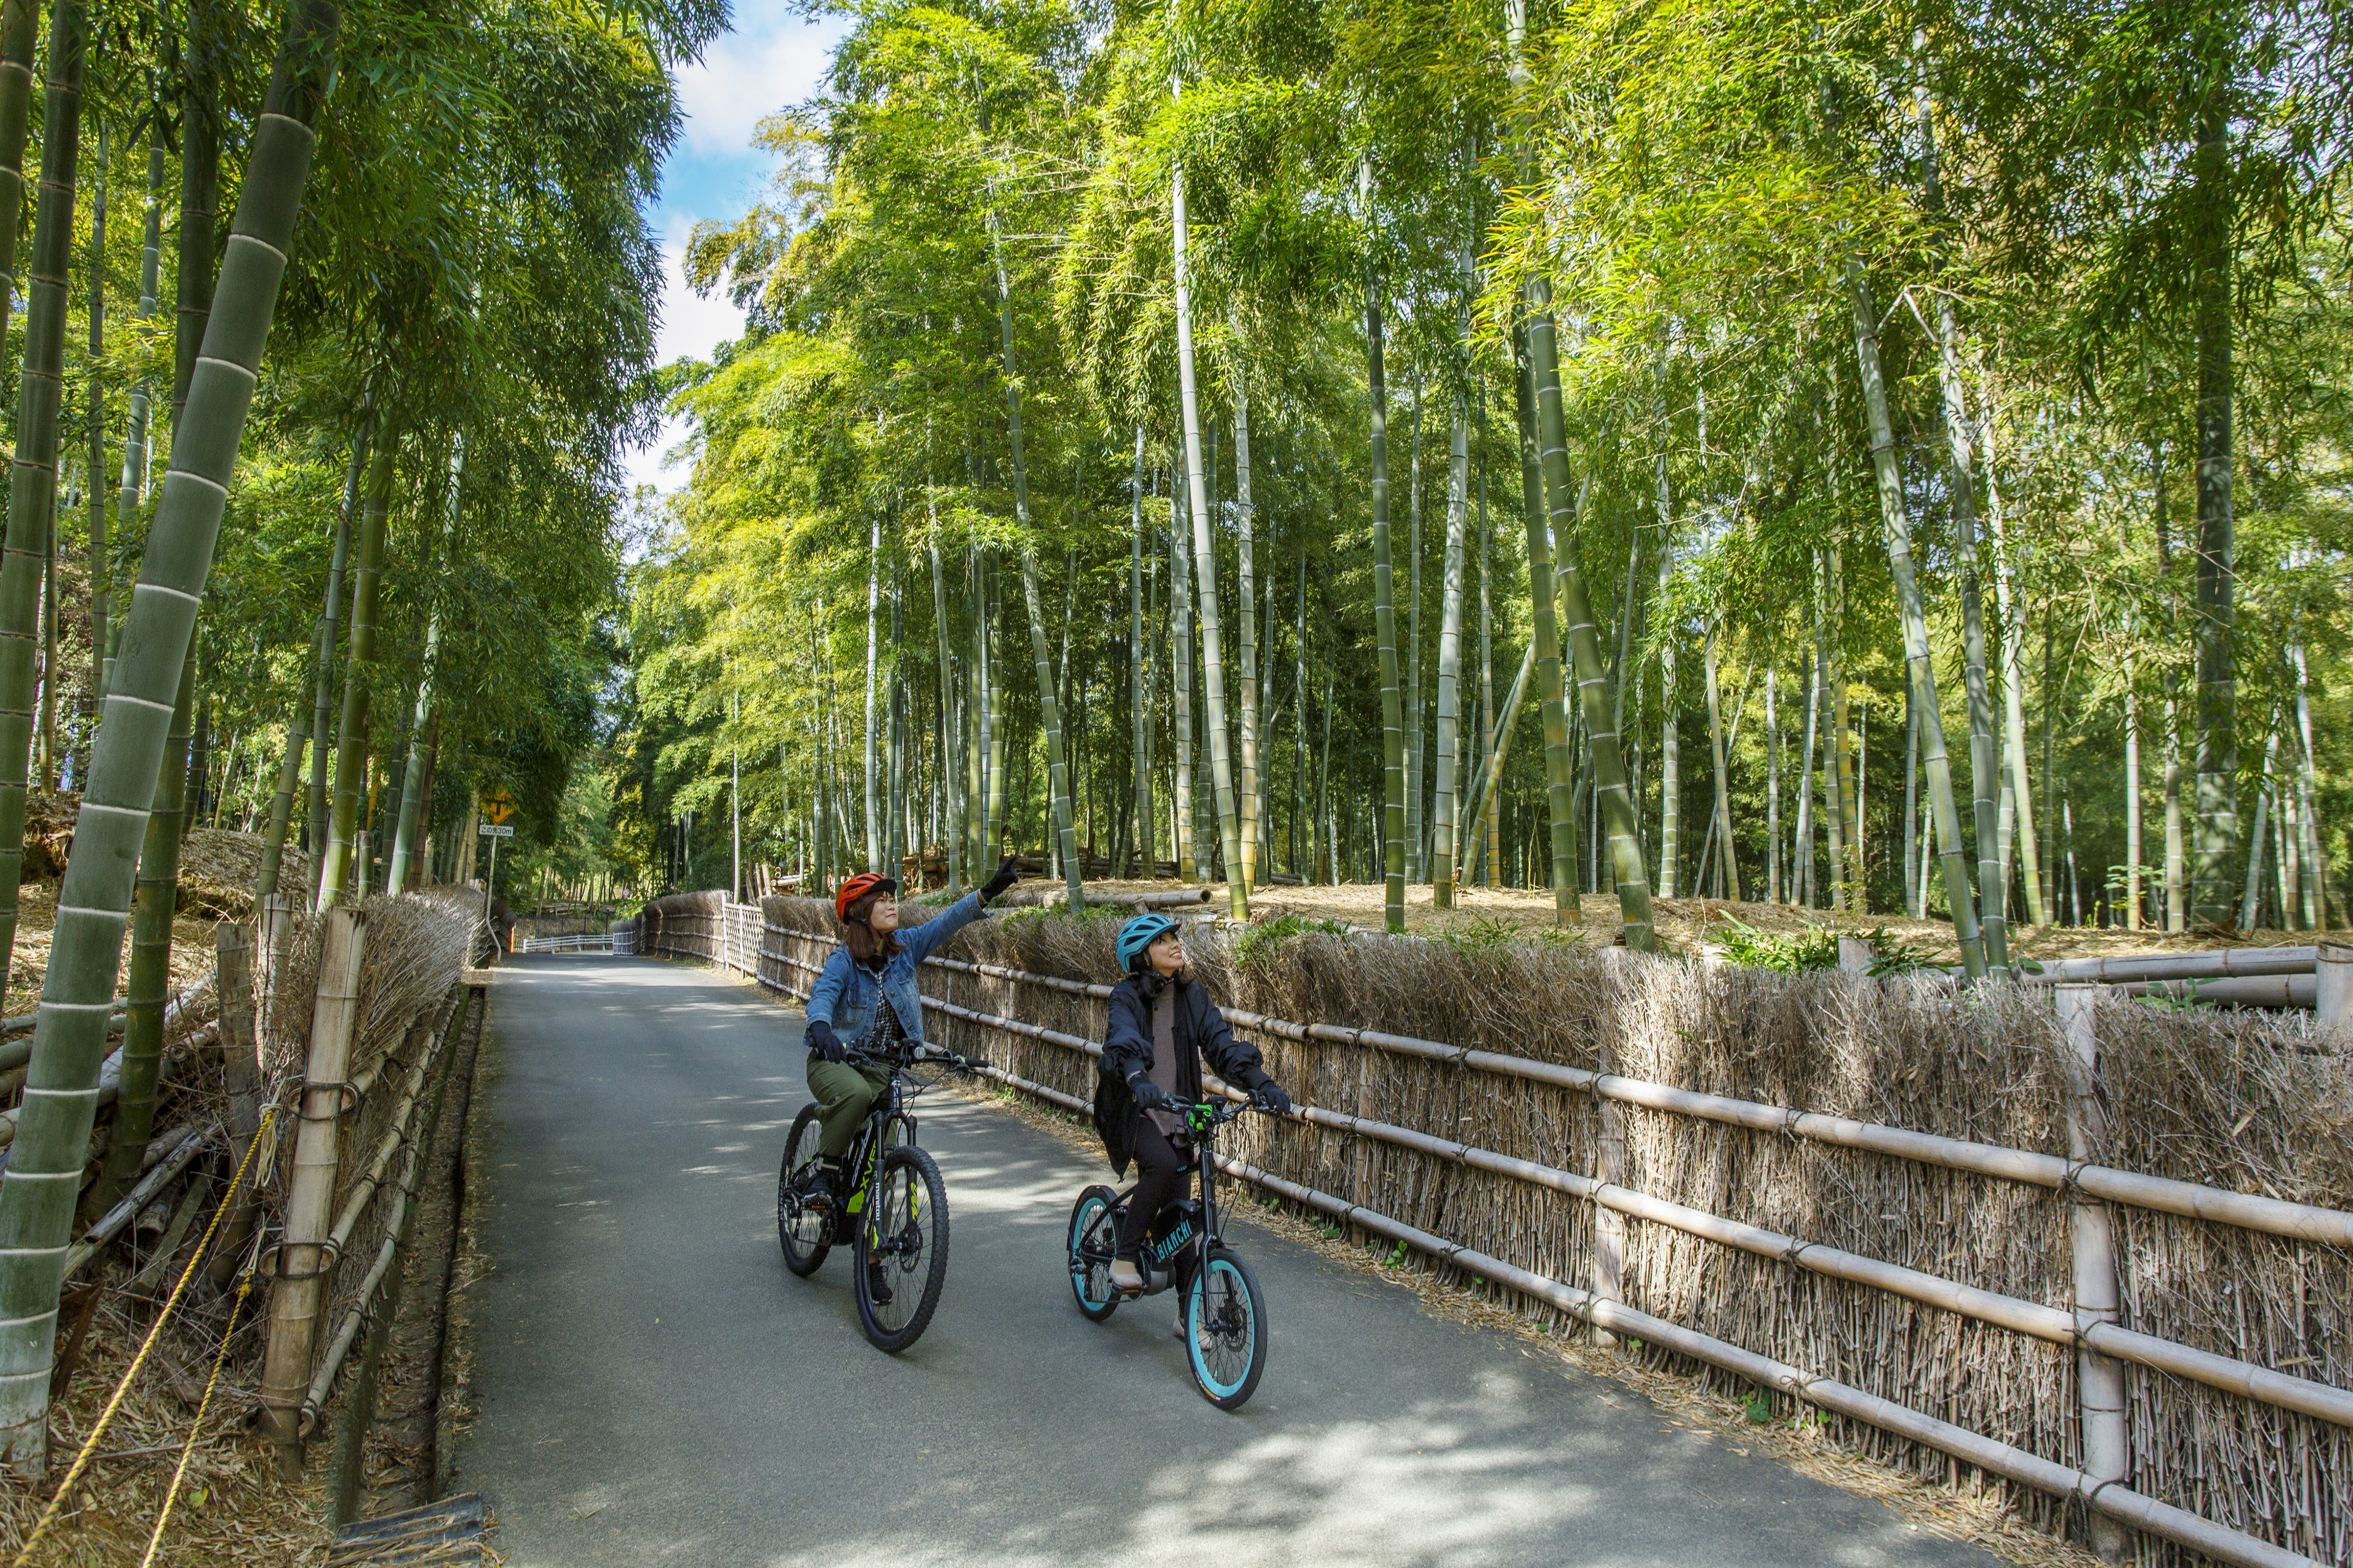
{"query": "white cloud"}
pixel 770 61
pixel 690 328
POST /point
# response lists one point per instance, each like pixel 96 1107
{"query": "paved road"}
pixel 656 1389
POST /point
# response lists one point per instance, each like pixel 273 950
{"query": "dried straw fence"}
pixel 367 1012
pixel 2098 1253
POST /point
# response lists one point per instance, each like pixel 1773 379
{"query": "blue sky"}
pixel 769 59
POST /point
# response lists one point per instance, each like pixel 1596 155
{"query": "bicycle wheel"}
pixel 902 1248
pixel 1225 1330
pixel 804 1233
pixel 1094 1237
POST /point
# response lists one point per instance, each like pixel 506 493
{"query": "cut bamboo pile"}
pixel 1905 1236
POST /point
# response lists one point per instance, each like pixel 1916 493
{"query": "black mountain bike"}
pixel 892 1208
pixel 1224 1320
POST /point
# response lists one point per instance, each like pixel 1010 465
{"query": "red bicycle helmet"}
pixel 856 888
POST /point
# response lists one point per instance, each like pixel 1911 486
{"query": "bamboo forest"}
pixel 1739 493
pixel 1920 428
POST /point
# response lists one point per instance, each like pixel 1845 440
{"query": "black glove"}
pixel 1268 1097
pixel 1150 1096
pixel 1006 877
pixel 821 1040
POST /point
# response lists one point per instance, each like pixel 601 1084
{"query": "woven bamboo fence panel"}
pixel 416 947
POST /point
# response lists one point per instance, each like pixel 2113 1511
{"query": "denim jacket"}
pixel 845 994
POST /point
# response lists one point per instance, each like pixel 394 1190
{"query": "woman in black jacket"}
pixel 1163 1026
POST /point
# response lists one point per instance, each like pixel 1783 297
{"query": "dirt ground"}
pixel 37 915
pixel 1691 924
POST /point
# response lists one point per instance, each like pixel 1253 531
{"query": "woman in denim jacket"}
pixel 874 966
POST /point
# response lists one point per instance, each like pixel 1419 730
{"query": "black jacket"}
pixel 1201 1034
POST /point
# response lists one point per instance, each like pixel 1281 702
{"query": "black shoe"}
pixel 878 1283
pixel 819 1186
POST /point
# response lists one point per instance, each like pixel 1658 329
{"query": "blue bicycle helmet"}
pixel 1138 934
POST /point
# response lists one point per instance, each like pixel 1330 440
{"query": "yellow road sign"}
pixel 497 806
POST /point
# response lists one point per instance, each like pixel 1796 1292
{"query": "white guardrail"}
pixel 599 942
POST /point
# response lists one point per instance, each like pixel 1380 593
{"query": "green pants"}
pixel 845 1093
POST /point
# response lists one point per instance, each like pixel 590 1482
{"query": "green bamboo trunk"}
pixel 1180 686
pixel 1049 704
pixel 1450 656
pixel 33 473
pixel 323 651
pixel 1139 689
pixel 335 873
pixel 1915 625
pixel 1213 672
pixel 1723 782
pixel 1594 697
pixel 281 808
pixel 151 907
pixel 416 776
pixel 94 445
pixel 1416 859
pixel 1245 518
pixel 1671 751
pixel 949 775
pixel 36 1197
pixel 20 27
pixel 1385 604
pixel 130 493
pixel 1551 684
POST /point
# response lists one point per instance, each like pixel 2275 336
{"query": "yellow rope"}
pixel 180 1470
pixel 89 1445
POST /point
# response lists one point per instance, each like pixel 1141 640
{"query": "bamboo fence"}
pixel 1906 1253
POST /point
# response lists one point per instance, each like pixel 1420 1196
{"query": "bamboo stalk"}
pixel 2099 1379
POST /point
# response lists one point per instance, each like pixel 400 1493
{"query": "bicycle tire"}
pixel 906 1217
pixel 1093 1225
pixel 1223 1307
pixel 803 1254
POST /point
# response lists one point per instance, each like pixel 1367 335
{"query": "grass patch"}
pixel 1257 945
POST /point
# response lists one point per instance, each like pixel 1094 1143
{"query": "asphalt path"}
pixel 654 1388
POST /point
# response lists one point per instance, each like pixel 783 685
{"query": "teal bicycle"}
pixel 1224 1317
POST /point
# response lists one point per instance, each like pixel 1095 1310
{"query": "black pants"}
pixel 1163 1175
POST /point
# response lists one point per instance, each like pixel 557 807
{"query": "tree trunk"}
pixel 1560 783
pixel 33 473
pixel 1833 784
pixel 2251 897
pixel 150 981
pixel 2009 604
pixel 873 602
pixel 1180 682
pixel 1772 792
pixel 1139 685
pixel 2216 841
pixel 1213 674
pixel 1585 651
pixel 1416 859
pixel 1252 834
pixel 322 653
pixel 1915 625
pixel 131 496
pixel 69 1042
pixel 1722 779
pixel 1669 731
pixel 1914 893
pixel 2315 864
pixel 1450 655
pixel 94 446
pixel 1384 597
pixel 1802 886
pixel 20 27
pixel 281 808
pixel 200 752
pixel 336 872
pixel 952 834
pixel 415 776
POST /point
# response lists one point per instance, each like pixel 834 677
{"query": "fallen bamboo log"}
pixel 182 1154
